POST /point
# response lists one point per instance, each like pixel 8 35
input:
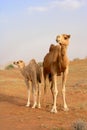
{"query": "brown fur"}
pixel 31 73
pixel 51 61
pixel 55 62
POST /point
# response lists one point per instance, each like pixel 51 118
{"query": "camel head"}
pixel 19 63
pixel 63 39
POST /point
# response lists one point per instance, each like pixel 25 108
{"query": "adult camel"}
pixel 56 62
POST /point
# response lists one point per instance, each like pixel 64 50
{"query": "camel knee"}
pixel 63 90
pixel 55 92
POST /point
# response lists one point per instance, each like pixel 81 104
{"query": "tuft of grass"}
pixel 79 125
pixel 9 67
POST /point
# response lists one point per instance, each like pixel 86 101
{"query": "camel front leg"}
pixel 64 78
pixel 55 92
pixel 34 86
pixel 28 90
pixel 35 99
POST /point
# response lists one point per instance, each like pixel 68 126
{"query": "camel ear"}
pixel 69 36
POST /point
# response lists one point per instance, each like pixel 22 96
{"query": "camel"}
pixel 56 62
pixel 32 75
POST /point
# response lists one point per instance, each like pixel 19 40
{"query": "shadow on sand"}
pixel 19 101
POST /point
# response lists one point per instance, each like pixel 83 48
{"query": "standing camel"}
pixel 31 73
pixel 56 62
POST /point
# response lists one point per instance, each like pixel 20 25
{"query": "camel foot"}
pixel 34 106
pixel 39 106
pixel 66 109
pixel 27 105
pixel 54 110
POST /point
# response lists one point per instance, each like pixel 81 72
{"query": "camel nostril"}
pixel 60 43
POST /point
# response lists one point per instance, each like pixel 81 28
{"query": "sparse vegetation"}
pixel 79 125
pixel 9 67
pixel 76 59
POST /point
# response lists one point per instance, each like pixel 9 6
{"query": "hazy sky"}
pixel 28 27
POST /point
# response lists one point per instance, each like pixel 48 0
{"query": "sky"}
pixel 28 27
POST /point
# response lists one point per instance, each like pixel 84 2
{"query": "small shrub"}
pixel 9 67
pixel 79 125
pixel 76 59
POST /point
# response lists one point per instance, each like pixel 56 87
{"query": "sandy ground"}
pixel 14 115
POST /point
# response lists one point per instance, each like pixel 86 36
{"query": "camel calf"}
pixel 32 75
pixel 56 62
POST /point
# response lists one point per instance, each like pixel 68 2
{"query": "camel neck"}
pixel 63 50
pixel 22 70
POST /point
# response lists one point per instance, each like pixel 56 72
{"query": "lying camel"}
pixel 32 75
pixel 55 63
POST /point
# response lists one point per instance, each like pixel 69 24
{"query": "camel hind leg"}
pixel 39 95
pixel 54 93
pixel 35 99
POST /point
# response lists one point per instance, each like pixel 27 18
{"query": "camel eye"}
pixel 65 38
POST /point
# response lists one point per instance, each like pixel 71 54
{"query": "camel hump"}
pixel 52 47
